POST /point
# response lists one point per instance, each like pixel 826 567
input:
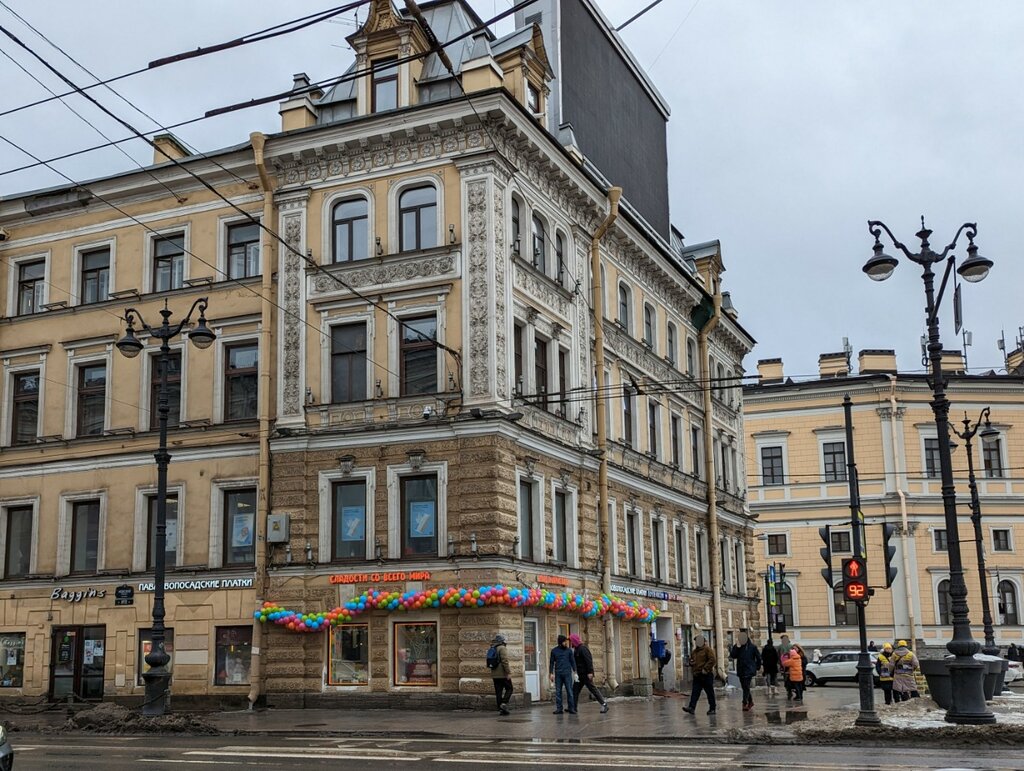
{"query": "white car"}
pixel 1014 672
pixel 838 666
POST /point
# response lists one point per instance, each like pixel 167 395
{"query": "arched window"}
pixel 691 358
pixel 417 218
pixel 846 612
pixel 350 237
pixel 1008 604
pixel 670 343
pixel 785 599
pixel 650 319
pixel 540 247
pixel 945 603
pixel 515 225
pixel 625 306
pixel 560 257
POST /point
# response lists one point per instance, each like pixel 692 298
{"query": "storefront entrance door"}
pixel 76 662
pixel 531 659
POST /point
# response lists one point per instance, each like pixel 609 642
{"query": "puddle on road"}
pixel 785 718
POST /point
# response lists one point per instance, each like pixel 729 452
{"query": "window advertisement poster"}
pixel 172 531
pixel 421 519
pixel 12 660
pixel 353 523
pixel 241 530
pixel 89 651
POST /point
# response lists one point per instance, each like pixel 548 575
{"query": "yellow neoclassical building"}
pixel 403 394
pixel 797 459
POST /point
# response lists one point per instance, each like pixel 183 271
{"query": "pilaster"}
pixel 292 301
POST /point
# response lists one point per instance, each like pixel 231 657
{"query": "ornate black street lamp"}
pixel 967 435
pixel 158 679
pixel 966 673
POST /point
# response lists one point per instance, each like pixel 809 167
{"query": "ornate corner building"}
pixel 402 397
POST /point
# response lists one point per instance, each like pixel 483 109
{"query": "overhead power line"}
pixel 636 16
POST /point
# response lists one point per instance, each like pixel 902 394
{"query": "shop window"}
pixel 171 550
pixel 25 408
pixel 85 536
pixel 92 398
pixel 350 236
pixel 417 218
pixel 173 390
pixel 243 250
pixel 241 381
pixel 349 520
pixel 348 363
pixel 146 645
pixel 419 355
pixel 12 660
pixel 349 651
pixel 18 556
pixel 239 524
pixel 419 516
pixel 233 655
pixel 415 648
pixel 168 262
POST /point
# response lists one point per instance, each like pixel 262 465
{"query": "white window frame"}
pixel 1001 445
pixel 140 544
pixel 767 550
pixel 923 434
pixel 830 437
pixel 146 408
pixel 662 564
pixel 992 538
pixel 394 477
pixel 536 483
pixel 325 487
pixel 16 503
pixel 725 556
pixel 14 270
pixel 931 536
pixel 739 556
pixel 938 578
pixel 64 528
pixel 327 324
pixel 326 249
pixel 835 530
pixel 703 552
pixel 772 439
pixel 224 222
pixel 614 545
pixel 683 576
pixel 638 539
pixel 217 489
pixel 75 297
pixel 571 523
pixel 71 400
pixel 394 245
pixel 10 370
pixel 149 253
pixel 994 593
pixel 791 583
pixel 223 342
pixel 395 345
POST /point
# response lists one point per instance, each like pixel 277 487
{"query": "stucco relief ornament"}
pixel 393 273
pixel 499 292
pixel 450 145
pixel 313 171
pixel 334 168
pixel 292 306
pixel 479 308
pixel 380 158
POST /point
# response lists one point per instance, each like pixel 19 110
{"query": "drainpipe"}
pixel 714 549
pixel 265 399
pixel 604 518
pixel 905 541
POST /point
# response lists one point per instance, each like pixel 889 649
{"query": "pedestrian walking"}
pixel 562 666
pixel 794 662
pixel 584 672
pixel 1013 652
pixel 872 648
pixel 816 656
pixel 748 661
pixel 703 664
pixel 497 662
pixel 903 665
pixel 770 666
pixel 884 675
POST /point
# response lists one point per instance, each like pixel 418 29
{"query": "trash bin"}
pixel 658 649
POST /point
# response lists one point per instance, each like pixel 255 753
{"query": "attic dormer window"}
pixel 532 98
pixel 385 85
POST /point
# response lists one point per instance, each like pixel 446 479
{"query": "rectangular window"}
pixel 12 660
pixel 526 519
pixel 349 659
pixel 31 286
pixel 725 467
pixel 680 544
pixel 563 381
pixel 932 464
pixel 835 461
pixel 168 262
pixel 419 355
pixel 532 98
pixel 778 544
pixel 517 336
pixel 771 466
pixel 95 275
pixel 385 85
pixel 561 527
pixel 233 655
pixel 939 539
pixel 85 536
pixel 171 531
pixel 992 457
pixel 702 564
pixel 1001 540
pixel 173 390
pixel 92 398
pixel 723 558
pixel 419 516
pixel 695 453
pixel 631 544
pixel 657 527
pixel 627 416
pixel 243 250
pixel 25 408
pixel 348 363
pixel 239 526
pixel 737 565
pixel 670 343
pixel 18 552
pixel 540 371
pixel 349 521
pixel 677 441
pixel 146 645
pixel 841 542
pixel 652 428
pixel 241 381
pixel 415 649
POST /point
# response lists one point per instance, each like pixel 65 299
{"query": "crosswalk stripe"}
pixel 577 762
pixel 310 755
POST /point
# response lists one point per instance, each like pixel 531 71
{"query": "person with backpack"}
pixel 884 675
pixel 703 664
pixel 748 661
pixel 770 666
pixel 497 662
pixel 903 665
pixel 584 672
pixel 562 667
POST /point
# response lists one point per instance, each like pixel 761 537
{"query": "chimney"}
pixel 833 365
pixel 167 146
pixel 769 371
pixel 298 111
pixel 876 361
pixel 953 362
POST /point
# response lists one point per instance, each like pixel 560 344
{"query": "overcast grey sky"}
pixel 794 122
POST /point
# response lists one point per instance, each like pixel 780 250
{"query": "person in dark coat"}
pixel 1013 652
pixel 703 664
pixel 770 666
pixel 501 675
pixel 748 661
pixel 562 666
pixel 584 672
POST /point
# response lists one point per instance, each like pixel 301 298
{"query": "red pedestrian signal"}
pixel 855 579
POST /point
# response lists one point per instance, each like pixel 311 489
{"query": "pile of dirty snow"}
pixel 108 718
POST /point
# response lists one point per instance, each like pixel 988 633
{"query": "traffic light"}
pixel 889 550
pixel 855 579
pixel 826 554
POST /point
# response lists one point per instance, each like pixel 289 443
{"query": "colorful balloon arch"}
pixel 452 597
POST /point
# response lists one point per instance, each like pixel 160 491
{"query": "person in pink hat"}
pixel 584 672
